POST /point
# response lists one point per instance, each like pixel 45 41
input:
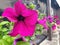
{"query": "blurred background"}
pixel 40 4
pixel 6 26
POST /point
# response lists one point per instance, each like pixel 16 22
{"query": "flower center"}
pixel 20 18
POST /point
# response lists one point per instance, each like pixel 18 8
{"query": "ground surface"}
pixel 55 39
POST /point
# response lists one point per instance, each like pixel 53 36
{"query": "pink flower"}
pixel 43 22
pixel 24 19
pixel 55 17
pixel 58 22
pixel 53 27
pixel 50 18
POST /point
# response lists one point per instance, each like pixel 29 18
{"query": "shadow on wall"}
pixel 58 12
pixel 1 11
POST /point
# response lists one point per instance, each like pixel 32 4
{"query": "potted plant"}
pixel 27 26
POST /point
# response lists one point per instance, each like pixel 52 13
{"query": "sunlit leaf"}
pixel 23 43
pixel 4 29
pixel 3 42
pixel 3 22
pixel 32 6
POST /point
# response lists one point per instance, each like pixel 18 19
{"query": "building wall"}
pixel 8 3
pixel 4 3
pixel 57 12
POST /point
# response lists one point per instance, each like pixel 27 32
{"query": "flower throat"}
pixel 20 18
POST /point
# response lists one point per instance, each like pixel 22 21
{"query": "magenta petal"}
pixel 10 14
pixel 50 18
pixel 56 17
pixel 19 7
pixel 27 12
pixel 32 19
pixel 58 22
pixel 25 30
pixel 14 31
pixel 43 23
pixel 53 27
pixel 22 29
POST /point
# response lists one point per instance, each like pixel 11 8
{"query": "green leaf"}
pixel 4 29
pixel 39 27
pixel 33 37
pixel 41 15
pixel 6 42
pixel 32 6
pixel 3 42
pixel 8 38
pixel 4 22
pixel 1 17
pixel 1 34
pixel 23 43
pixel 28 38
pixel 38 32
pixel 0 28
